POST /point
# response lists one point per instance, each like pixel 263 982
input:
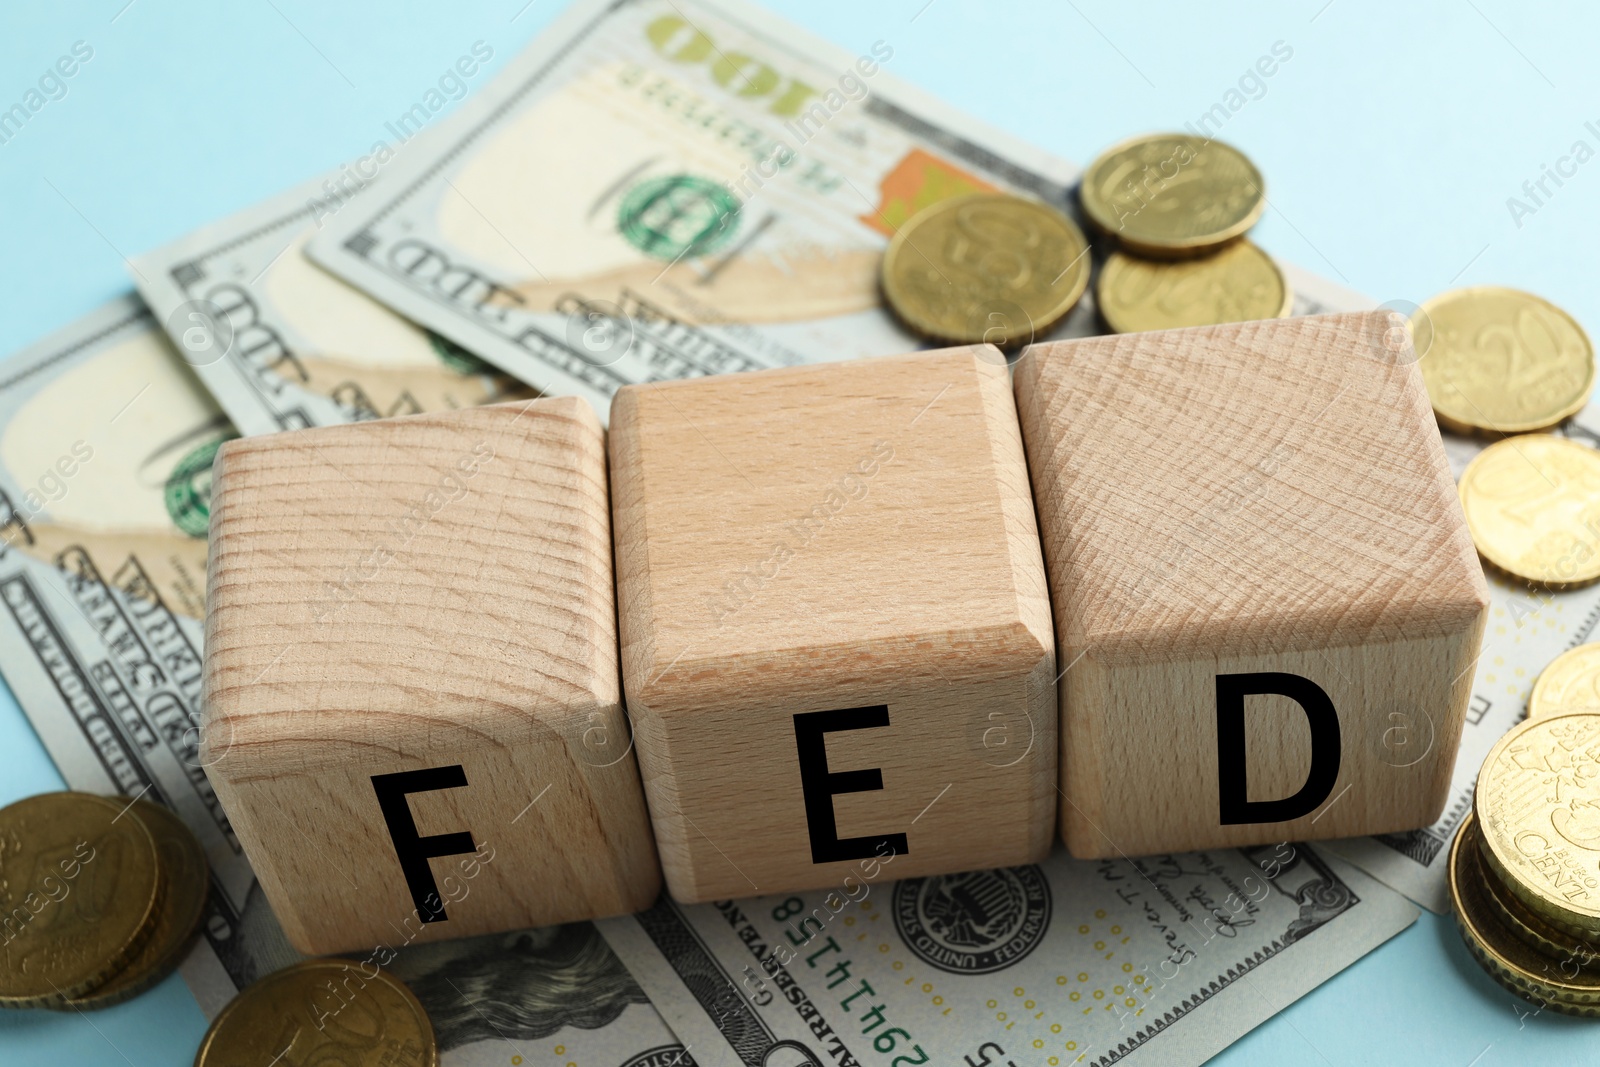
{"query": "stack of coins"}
pixel 1002 269
pixel 1525 866
pixel 328 1011
pixel 100 898
pixel 1177 208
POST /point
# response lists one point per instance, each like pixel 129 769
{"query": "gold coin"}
pixel 1538 808
pixel 985 268
pixel 1239 283
pixel 79 886
pixel 187 877
pixel 322 1011
pixel 1501 361
pixel 1527 927
pixel 1533 507
pixel 1559 985
pixel 1570 683
pixel 1171 195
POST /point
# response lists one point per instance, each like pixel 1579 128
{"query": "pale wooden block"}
pixel 815 539
pixel 1255 497
pixel 425 592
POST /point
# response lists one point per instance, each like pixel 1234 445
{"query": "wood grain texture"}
pixel 830 537
pixel 1260 496
pixel 411 593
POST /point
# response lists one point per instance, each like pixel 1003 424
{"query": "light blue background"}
pixel 1390 141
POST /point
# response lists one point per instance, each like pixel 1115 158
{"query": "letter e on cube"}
pixel 836 636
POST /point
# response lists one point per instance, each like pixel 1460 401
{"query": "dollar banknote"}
pixel 1162 960
pixel 668 188
pixel 283 344
pixel 106 442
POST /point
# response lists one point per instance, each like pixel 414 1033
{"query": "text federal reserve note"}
pixel 668 188
pixel 283 344
pixel 1162 960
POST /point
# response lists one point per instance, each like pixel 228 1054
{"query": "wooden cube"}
pixel 1267 605
pixel 836 639
pixel 413 714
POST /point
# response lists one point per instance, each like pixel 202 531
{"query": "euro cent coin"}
pixel 1558 984
pixel 1172 195
pixel 1532 504
pixel 1500 361
pixel 1527 927
pixel 1570 683
pixel 187 878
pixel 1538 809
pixel 80 884
pixel 988 268
pixel 322 1011
pixel 1239 283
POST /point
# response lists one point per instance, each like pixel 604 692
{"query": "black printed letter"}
pixel 1232 787
pixel 414 851
pixel 820 785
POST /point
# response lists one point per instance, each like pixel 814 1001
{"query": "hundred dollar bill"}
pixel 1162 960
pixel 283 344
pixel 106 442
pixel 667 188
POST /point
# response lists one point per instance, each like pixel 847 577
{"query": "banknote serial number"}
pixel 884 1040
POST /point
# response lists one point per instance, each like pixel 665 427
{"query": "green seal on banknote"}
pixel 455 357
pixel 677 216
pixel 188 491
